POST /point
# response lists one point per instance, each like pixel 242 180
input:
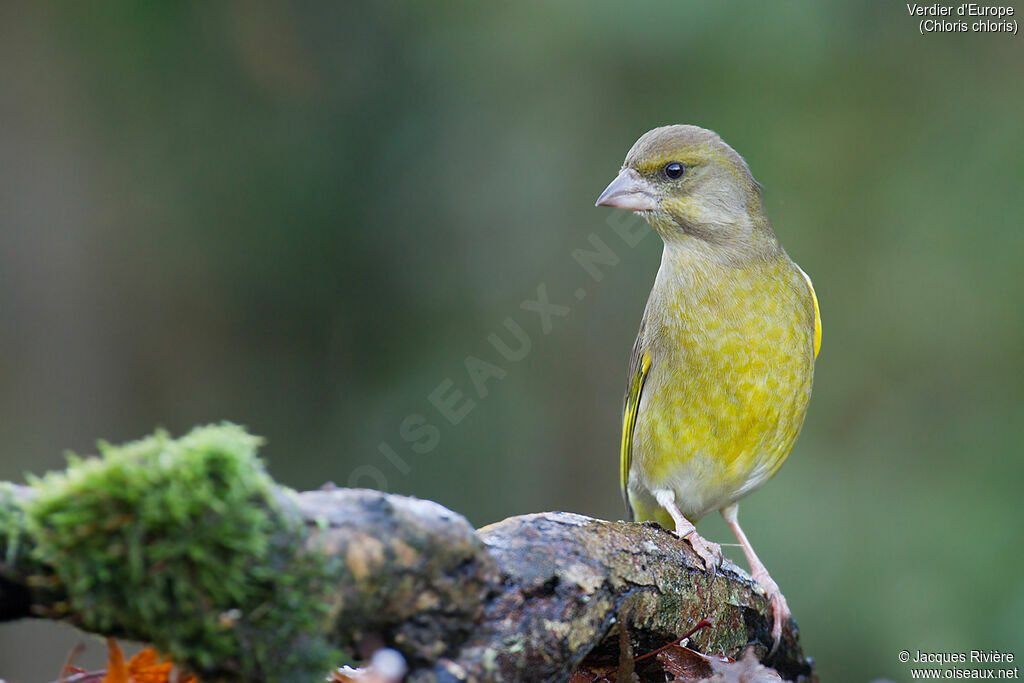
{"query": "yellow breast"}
pixel 732 357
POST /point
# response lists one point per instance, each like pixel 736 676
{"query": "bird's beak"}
pixel 628 191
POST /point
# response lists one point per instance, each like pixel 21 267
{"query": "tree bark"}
pixel 189 545
pixel 526 599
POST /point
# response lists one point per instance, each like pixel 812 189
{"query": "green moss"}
pixel 183 543
pixel 11 525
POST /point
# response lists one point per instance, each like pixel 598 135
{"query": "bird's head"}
pixel 687 182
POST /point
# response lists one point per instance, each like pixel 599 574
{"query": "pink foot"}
pixel 780 610
pixel 779 607
pixel 708 551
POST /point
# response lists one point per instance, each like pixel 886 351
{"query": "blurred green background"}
pixel 305 217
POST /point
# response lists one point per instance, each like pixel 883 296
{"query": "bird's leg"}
pixel 780 610
pixel 710 552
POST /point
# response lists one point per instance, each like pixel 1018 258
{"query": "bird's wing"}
pixel 817 313
pixel 639 366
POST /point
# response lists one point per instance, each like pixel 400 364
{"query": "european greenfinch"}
pixel 721 371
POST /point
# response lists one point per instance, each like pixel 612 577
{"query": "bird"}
pixel 721 371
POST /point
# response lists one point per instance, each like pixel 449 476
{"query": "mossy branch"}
pixel 188 544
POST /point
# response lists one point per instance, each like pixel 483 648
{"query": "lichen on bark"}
pixel 189 545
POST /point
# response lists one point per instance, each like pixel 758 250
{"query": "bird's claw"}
pixel 777 603
pixel 780 615
pixel 709 552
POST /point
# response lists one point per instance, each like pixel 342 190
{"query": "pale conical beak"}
pixel 628 191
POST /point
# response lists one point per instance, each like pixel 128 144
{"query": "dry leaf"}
pixel 685 664
pixel 386 666
pixel 594 674
pixel 745 670
pixel 145 667
pixel 117 672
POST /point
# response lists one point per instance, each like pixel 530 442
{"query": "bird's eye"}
pixel 674 170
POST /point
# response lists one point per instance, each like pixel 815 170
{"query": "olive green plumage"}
pixel 721 371
pixel 729 332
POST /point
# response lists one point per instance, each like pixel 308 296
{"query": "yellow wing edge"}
pixel 629 414
pixel 817 313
